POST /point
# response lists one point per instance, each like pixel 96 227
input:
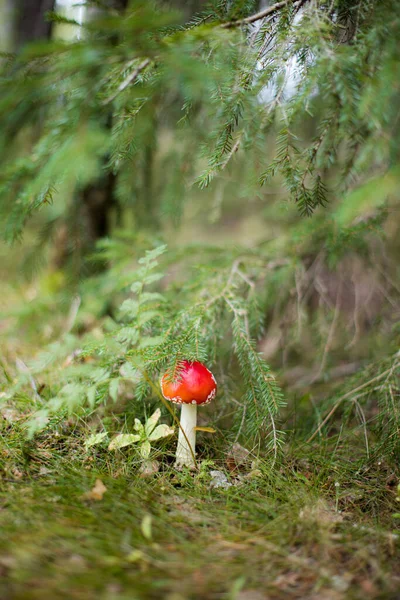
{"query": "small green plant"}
pixel 145 434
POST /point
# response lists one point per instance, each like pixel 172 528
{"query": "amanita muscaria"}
pixel 192 385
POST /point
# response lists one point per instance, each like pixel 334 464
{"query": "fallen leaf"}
pixel 238 458
pixel 368 587
pixel 206 429
pixel 287 580
pixel 322 513
pixel 97 492
pixel 135 556
pixel 149 468
pixel 17 473
pixel 9 414
pixel 77 562
pixel 44 470
pixel 146 526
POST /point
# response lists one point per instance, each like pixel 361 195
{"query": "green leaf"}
pixel 128 334
pixel 147 297
pixel 91 395
pixel 161 431
pixel 153 277
pixel 147 315
pixel 145 449
pixel 152 255
pixel 130 307
pixel 151 341
pixel 152 422
pixel 136 287
pixel 99 375
pixel 71 396
pixel 122 440
pixel 139 427
pixel 128 371
pixel 95 439
pixel 113 388
pixel 38 422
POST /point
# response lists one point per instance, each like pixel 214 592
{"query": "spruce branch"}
pixel 233 151
pixel 350 394
pixel 266 12
pixel 129 79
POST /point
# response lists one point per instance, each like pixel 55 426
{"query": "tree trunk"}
pixel 30 22
pixel 97 200
pixel 90 214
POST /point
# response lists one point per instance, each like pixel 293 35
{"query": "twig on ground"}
pixel 332 330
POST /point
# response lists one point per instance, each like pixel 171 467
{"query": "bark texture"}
pixel 30 21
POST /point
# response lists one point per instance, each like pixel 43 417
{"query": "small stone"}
pixel 219 480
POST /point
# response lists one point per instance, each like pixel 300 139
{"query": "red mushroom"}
pixel 193 385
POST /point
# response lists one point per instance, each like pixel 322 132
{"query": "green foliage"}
pixel 155 331
pixel 175 164
pixel 104 104
pixel 144 436
pixel 145 120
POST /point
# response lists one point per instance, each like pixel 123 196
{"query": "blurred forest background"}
pixel 215 181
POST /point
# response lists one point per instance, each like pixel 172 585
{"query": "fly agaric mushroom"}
pixel 194 385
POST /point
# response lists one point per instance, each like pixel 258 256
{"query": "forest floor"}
pixel 82 525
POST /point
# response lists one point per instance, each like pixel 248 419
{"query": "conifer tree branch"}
pixel 349 395
pixel 270 10
pixel 235 148
pixel 129 79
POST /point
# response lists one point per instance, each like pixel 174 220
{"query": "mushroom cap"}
pixel 194 384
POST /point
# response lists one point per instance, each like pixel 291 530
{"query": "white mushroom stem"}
pixel 184 452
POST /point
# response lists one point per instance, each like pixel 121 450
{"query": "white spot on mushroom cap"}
pixel 213 378
pixel 176 400
pixel 210 397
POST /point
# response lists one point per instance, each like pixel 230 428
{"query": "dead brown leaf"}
pixel 10 414
pixel 238 458
pixel 149 468
pixel 368 587
pixel 287 580
pixel 17 474
pixel 97 492
pixel 322 513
